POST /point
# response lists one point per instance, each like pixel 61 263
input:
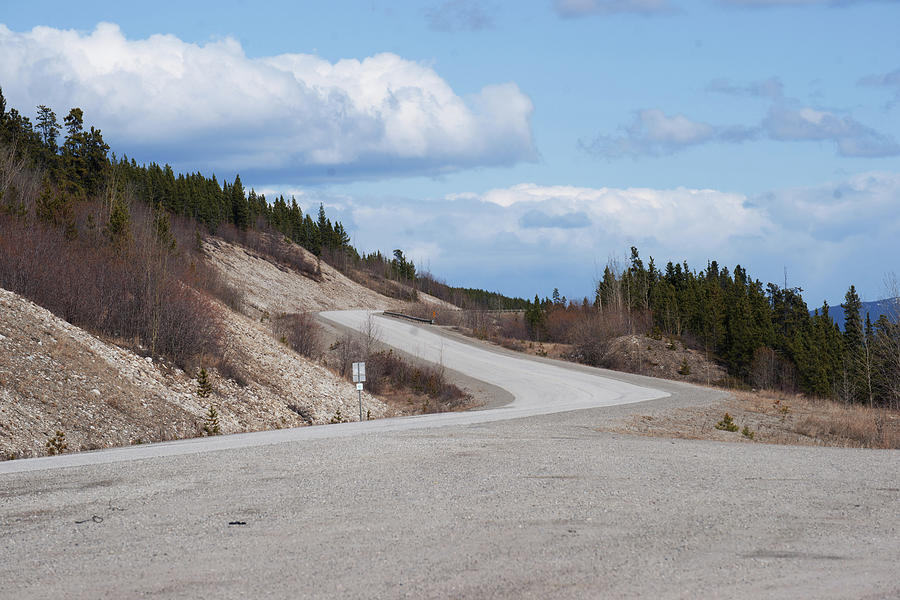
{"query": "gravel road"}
pixel 537 506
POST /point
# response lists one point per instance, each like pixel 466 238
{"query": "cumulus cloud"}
pixel 292 114
pixel 536 219
pixel 584 8
pixel 653 133
pixel 851 137
pixel 887 80
pixel 529 238
pixel 459 15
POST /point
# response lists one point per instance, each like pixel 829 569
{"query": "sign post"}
pixel 359 377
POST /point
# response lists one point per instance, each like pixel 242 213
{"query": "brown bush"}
pixel 770 370
pixel 386 368
pixel 300 332
pixel 136 293
pixel 512 326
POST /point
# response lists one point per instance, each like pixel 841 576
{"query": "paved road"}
pixel 538 388
pixel 533 507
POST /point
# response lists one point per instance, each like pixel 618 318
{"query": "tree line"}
pixel 67 205
pixel 765 335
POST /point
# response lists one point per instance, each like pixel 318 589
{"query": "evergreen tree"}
pixel 239 209
pixel 211 425
pixel 163 228
pixel 204 387
pixel 535 319
pixel 854 347
pixel 48 127
pixel 118 228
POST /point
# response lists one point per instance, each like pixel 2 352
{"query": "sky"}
pixel 513 146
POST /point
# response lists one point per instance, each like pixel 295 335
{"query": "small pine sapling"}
pixel 56 444
pixel 211 426
pixel 204 387
pixel 747 433
pixel 685 368
pixel 727 423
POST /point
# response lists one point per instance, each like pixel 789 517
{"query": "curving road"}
pixel 537 387
pixel 549 505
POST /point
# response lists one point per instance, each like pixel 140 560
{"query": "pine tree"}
pixel 118 228
pixel 535 319
pixel 48 127
pixel 854 347
pixel 204 387
pixel 163 229
pixel 240 213
pixel 211 426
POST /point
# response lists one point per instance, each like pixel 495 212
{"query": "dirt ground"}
pixel 772 418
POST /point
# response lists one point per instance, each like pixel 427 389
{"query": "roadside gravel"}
pixel 552 505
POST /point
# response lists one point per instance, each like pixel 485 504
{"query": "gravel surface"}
pixel 543 506
pixel 530 508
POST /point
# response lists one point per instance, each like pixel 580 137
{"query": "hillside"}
pixel 55 376
pixel 272 287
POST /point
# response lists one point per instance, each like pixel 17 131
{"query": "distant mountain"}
pixel 876 308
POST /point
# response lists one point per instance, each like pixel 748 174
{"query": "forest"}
pixel 764 334
pixel 114 246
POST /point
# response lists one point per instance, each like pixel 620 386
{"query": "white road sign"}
pixel 359 372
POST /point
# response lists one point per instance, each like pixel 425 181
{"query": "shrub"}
pixel 211 425
pixel 204 387
pixel 56 443
pixel 747 433
pixel 300 332
pixel 386 368
pixel 685 368
pixel 338 418
pixel 727 423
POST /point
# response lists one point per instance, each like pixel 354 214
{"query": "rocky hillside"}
pixel 57 377
pixel 272 287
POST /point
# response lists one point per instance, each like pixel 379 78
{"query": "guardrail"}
pixel 410 317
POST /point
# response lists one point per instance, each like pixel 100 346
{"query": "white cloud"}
pixel 530 238
pixel 654 133
pixel 291 114
pixel 851 137
pixel 680 216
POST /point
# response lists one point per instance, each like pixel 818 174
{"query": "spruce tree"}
pixel 48 127
pixel 854 347
pixel 240 213
pixel 118 228
pixel 204 387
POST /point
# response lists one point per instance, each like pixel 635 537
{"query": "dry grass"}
pixel 775 418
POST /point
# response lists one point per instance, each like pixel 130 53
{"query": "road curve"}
pixel 554 506
pixel 538 388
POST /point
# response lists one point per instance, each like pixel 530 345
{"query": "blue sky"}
pixel 514 146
